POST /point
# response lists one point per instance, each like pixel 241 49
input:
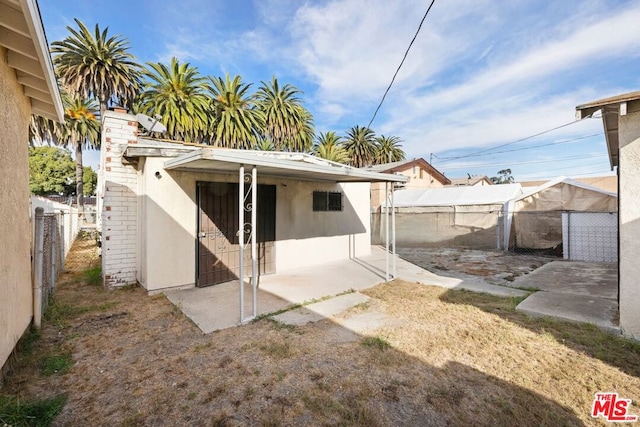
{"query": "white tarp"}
pixel 458 196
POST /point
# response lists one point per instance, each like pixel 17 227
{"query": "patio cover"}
pixel 275 163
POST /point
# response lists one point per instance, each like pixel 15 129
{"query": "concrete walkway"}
pixel 574 291
pixel 217 307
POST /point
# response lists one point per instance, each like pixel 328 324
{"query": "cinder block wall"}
pixel 118 200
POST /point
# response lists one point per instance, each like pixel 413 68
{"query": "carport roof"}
pixel 275 163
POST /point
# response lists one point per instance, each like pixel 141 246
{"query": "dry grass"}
pixel 455 358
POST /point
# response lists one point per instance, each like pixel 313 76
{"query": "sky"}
pixel 481 78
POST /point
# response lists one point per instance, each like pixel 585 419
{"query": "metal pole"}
pixel 254 252
pixel 393 228
pixel 386 227
pixel 38 260
pixel 241 238
pixel 54 242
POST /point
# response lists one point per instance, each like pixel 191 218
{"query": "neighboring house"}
pixel 419 172
pixel 621 121
pixel 472 181
pixel 27 86
pixel 607 183
pixel 170 212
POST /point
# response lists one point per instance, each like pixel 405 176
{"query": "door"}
pixel 218 248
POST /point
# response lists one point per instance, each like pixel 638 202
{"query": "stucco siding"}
pixel 629 217
pixel 16 306
pixel 303 237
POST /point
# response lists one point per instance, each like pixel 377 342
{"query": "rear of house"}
pixel 171 212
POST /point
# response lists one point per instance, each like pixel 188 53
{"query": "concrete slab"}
pixel 575 278
pixel 598 311
pixel 217 307
pixel 321 310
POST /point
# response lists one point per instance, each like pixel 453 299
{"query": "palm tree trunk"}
pixel 79 177
pixel 103 105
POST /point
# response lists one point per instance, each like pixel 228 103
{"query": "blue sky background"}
pixel 480 74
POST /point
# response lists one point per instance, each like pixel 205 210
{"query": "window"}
pixel 327 201
pixel 421 171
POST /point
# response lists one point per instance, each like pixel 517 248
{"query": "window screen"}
pixel 327 201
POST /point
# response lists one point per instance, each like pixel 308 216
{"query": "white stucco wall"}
pixel 167 255
pixel 629 216
pixel 16 305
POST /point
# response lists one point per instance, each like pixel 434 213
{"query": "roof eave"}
pixel 276 166
pixel 28 53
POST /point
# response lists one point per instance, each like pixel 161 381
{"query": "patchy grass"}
pixel 376 342
pixel 56 364
pixel 449 358
pixel 93 276
pixel 41 413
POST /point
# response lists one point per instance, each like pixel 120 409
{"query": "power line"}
pixel 400 66
pixel 559 159
pixel 447 159
pixel 534 146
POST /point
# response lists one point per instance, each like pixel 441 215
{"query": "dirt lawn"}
pixel 452 358
pixel 495 267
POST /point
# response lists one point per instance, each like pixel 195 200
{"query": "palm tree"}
pixel 177 93
pixel 287 122
pixel 235 120
pixel 81 129
pixel 264 145
pixel 387 150
pixel 360 145
pixel 97 65
pixel 329 146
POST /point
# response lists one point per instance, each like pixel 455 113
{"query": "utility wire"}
pixel 400 66
pixel 559 159
pixel 527 148
pixel 508 143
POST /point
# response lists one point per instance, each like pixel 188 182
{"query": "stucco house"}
pixel 173 214
pixel 420 175
pixel 471 181
pixel 27 86
pixel 621 121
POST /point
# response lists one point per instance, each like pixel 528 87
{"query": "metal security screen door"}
pixel 218 245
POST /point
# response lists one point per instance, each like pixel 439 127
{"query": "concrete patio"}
pixel 575 291
pixel 218 307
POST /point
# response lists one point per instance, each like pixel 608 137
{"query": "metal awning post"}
pixel 254 250
pixel 241 238
pixel 386 227
pixel 393 228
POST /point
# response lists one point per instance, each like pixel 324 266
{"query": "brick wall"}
pixel 118 200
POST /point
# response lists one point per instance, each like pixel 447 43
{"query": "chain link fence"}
pixel 55 228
